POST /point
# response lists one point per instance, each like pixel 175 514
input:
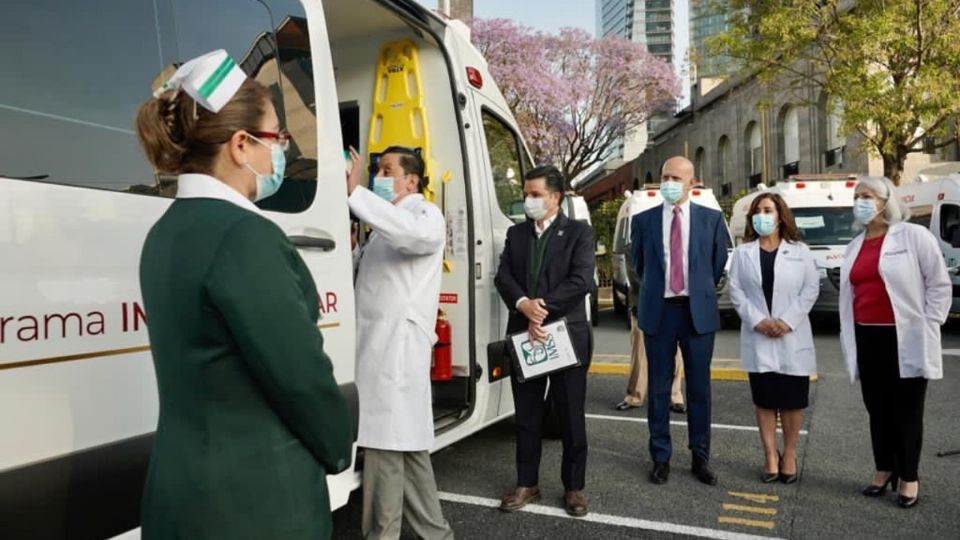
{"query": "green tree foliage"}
pixel 894 65
pixel 604 220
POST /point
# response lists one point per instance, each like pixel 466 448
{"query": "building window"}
pixel 723 160
pixel 754 157
pixel 834 141
pixel 789 130
pixel 699 159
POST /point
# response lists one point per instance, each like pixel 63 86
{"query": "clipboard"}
pixel 534 360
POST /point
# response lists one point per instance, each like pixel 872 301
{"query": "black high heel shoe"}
pixel 789 478
pixel 876 491
pixel 768 477
pixel 907 502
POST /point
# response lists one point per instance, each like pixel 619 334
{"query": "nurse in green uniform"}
pixel 251 419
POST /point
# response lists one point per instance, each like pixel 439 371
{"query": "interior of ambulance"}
pixel 394 88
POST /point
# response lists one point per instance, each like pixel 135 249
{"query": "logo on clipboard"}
pixel 537 353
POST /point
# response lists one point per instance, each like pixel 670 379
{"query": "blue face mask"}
pixel 763 224
pixel 864 210
pixel 671 191
pixel 268 184
pixel 383 187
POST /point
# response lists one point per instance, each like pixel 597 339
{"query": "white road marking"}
pixel 678 423
pixel 607 519
pixel 951 352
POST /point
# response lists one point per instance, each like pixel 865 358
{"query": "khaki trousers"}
pixel 398 485
pixel 637 383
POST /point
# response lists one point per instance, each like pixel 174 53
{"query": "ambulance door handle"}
pixel 313 242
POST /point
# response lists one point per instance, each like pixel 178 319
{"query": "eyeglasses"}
pixel 282 137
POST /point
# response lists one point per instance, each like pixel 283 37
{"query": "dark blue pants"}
pixel 676 328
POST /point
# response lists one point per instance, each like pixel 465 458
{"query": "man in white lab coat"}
pixel 397 296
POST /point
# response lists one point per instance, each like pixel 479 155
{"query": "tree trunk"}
pixel 893 165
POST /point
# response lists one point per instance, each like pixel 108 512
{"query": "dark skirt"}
pixel 778 391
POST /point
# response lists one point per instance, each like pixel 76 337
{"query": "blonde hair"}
pixel 179 136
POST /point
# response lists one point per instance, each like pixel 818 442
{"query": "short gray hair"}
pixel 894 211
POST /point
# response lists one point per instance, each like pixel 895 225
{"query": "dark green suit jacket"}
pixel 251 419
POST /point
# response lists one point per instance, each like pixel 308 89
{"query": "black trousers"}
pixel 895 404
pixel 568 389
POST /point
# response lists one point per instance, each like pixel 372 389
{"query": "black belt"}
pixel 677 300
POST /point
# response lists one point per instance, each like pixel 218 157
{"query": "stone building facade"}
pixel 741 133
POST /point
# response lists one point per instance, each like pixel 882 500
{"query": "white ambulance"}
pixel 935 204
pixel 636 202
pixel 822 207
pixel 78 402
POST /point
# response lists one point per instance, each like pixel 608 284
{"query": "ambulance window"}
pixel 271 43
pixel 504 150
pixel 74 74
pixel 950 224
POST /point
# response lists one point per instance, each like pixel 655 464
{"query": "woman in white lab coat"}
pixel 773 285
pixel 895 293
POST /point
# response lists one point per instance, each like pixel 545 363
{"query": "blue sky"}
pixel 546 15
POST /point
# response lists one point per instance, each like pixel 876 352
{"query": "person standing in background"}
pixel 679 252
pixel 895 293
pixel 773 285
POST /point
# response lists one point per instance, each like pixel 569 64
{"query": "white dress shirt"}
pixel 685 234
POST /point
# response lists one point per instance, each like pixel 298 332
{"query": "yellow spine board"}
pixel 399 117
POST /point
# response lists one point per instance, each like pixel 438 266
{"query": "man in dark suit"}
pixel 545 274
pixel 679 251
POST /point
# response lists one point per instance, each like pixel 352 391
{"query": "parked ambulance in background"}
pixel 935 204
pixel 78 401
pixel 575 207
pixel 822 207
pixel 636 202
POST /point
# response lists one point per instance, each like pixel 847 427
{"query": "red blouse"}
pixel 871 304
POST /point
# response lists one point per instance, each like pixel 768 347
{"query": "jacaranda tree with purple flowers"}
pixel 573 95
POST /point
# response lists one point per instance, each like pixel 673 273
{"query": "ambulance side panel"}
pixel 78 401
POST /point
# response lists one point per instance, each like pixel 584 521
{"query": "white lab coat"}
pixel 796 286
pixel 397 296
pixel 916 278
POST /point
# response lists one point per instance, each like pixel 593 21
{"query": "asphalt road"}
pixel 835 463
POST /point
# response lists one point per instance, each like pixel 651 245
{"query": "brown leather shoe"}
pixel 575 503
pixel 519 497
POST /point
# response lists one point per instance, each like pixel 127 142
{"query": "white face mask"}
pixel 535 207
pixel 864 210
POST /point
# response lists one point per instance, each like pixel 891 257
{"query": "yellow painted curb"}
pixel 716 373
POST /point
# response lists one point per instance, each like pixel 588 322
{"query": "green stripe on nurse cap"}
pixel 211 80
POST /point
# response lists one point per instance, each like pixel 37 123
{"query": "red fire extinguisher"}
pixel 442 368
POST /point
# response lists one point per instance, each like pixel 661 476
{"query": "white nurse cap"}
pixel 211 80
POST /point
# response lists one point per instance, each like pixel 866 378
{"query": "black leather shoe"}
pixel 703 473
pixel 678 408
pixel 623 406
pixel 660 473
pixel 876 491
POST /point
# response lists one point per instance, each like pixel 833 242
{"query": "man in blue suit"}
pixel 679 251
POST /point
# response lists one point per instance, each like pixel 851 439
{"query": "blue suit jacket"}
pixel 707 255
